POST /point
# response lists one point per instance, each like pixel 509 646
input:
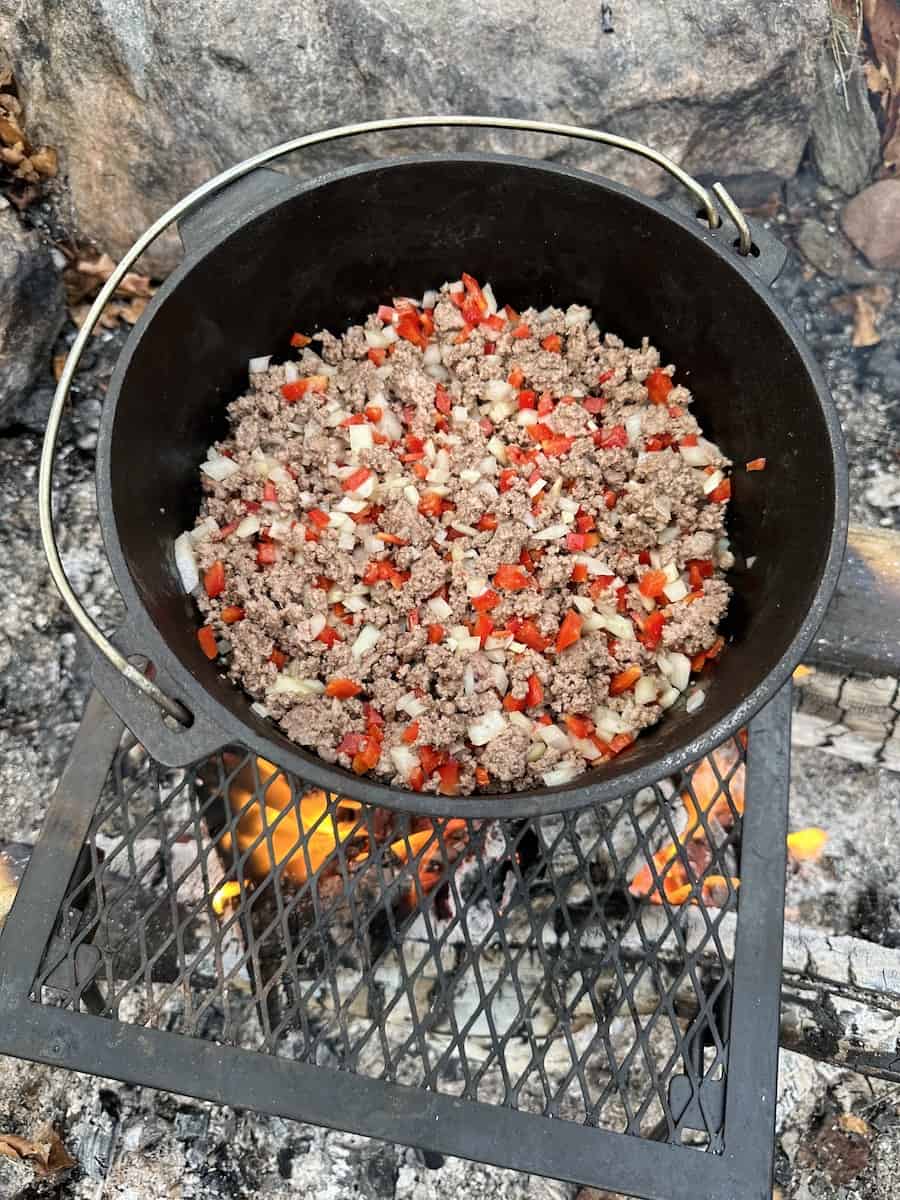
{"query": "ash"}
pixel 838 1131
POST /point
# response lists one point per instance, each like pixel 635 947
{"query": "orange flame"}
pixel 297 838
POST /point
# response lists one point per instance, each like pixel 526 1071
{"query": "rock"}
pixel 846 142
pixel 32 308
pixel 830 253
pixel 872 223
pixel 163 96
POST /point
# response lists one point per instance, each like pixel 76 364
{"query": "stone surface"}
pixel 872 223
pixel 144 101
pixel 845 138
pixel 31 310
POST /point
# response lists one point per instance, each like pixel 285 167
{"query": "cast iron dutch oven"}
pixel 269 255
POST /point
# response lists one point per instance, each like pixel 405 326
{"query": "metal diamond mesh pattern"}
pixel 576 966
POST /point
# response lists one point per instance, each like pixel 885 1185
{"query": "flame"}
pixel 298 837
pixel 685 859
pixel 806 845
pixel 228 891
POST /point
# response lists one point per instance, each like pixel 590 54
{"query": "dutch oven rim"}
pixel 308 766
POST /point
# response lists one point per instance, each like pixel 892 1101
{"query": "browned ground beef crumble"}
pixel 499 430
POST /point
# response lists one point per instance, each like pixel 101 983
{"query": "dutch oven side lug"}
pixel 171 743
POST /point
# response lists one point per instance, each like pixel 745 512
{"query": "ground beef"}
pixel 370 544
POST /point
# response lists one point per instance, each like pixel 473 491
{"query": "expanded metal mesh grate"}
pixel 580 967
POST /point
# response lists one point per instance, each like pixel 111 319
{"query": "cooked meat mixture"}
pixel 463 548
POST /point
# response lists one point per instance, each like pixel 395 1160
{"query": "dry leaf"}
pixel 865 332
pixel 45 1151
pixel 102 267
pixel 10 133
pixel 12 155
pixel 45 161
pixel 10 103
pixel 59 361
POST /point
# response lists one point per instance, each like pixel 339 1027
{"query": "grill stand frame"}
pixel 431 1121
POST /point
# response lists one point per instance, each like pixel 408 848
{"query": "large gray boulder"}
pixel 32 308
pixel 144 101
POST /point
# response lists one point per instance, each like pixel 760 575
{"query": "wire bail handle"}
pixel 48 452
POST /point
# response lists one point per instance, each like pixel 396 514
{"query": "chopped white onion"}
pixel 551 533
pixel 220 468
pixel 390 425
pixel 291 374
pixel 645 690
pixel 297 687
pixel 376 339
pixel 633 424
pixel 317 623
pixel 439 608
pixel 585 748
pixel 499 679
pixel 366 640
pixel 750 561
pixel 438 372
pixel 476 585
pixel 486 728
pixel 537 486
pixel 608 723
pixel 186 562
pixel 668 698
pixel 695 456
pixel 497 641
pixel 412 705
pixel 360 438
pixel 488 292
pixel 564 773
pixel 497 449
pixel 257 365
pixel 280 530
pixel 248 526
pixel 695 700
pixel 259 709
pixel 498 389
pixel 455 287
pixel 536 750
pixel 712 482
pixel 206 529
pixel 430 299
pixel 469 680
pixel 460 414
pixel 405 760
pixel 669 534
pixel 675 591
pixel 620 627
pixel 355 604
pixel 347 540
pixel 466 645
pixel 348 505
pixel 577 314
pixel 671 571
pixel 681 670
pixel 519 718
pixel 583 604
pixel 593 621
pixel 554 737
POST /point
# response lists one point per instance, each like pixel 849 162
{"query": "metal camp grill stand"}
pixel 93 980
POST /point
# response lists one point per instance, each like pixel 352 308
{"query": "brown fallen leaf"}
pixel 10 131
pixel 882 23
pixel 45 161
pixel 851 1123
pixel 12 155
pixel 865 306
pixel 59 361
pixel 11 104
pixel 45 1151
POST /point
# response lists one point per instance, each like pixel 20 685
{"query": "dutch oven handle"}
pixel 136 695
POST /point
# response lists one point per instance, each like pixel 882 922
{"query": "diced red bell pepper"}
pixel 442 401
pixel 552 342
pixel 621 742
pixel 689 439
pixel 416 779
pixel 494 322
pixel 622 598
pixel 232 613
pixel 624 681
pixel 569 630
pixel 514 703
pixel 214 580
pixel 266 554
pixel 756 464
pixel 386 314
pixel 529 635
pixel 534 693
pixel 299 387
pixel 557 445
pixel 658 385
pixel 410 329
pixel 651 627
pixel 527 399
pixel 299 339
pixel 584 522
pixel 615 438
pixel 604 377
pixel 342 689
pixel 579 726
pixel 372 715
pixel 507 477
pixel 449 777
pixel 545 405
pixel 486 521
pixel 328 636
pixel 511 577
pixel 356 479
pixel 355 419
pixel 374 413
pixel 659 441
pixel 722 493
pixel 698 570
pixel 522 331
pixel 431 504
pixel 351 743
pixel 435 634
pixel 391 539
pixel 412 619
pixel 318 518
pixel 376 355
pixel 579 573
pixel 482 628
pixel 279 658
pixel 252 506
pixel 516 378
pixel 486 601
pixel 410 733
pixel 431 759
pixel 269 492
pixel 482 777
pixel 594 404
pixel 426 319
pixel 539 432
pixel 368 755
pixel 610 499
pixel 207 639
pixel 600 584
pixel 652 584
pixel 576 541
